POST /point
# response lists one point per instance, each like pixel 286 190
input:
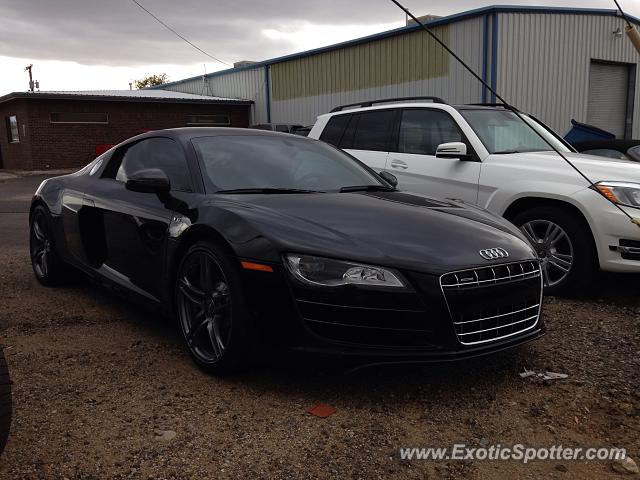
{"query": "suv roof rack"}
pixel 370 103
pixel 485 104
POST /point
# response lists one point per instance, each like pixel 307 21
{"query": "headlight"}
pixel 622 193
pixel 332 273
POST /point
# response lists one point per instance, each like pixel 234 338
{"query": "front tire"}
pixel 5 402
pixel 47 266
pixel 564 245
pixel 211 309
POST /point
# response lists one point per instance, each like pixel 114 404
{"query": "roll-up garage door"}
pixel 608 94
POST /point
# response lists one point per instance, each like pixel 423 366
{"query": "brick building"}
pixel 54 130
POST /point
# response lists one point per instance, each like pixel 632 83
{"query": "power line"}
pixel 514 110
pixel 180 36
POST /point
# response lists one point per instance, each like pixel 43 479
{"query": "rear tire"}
pixel 212 311
pixel 46 263
pixel 5 402
pixel 565 246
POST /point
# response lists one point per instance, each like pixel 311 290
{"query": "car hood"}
pixel 394 229
pixel 598 168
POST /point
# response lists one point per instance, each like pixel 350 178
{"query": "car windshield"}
pixel 502 131
pixel 276 164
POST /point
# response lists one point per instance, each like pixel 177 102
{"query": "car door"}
pixel 368 137
pixel 135 225
pixel 414 163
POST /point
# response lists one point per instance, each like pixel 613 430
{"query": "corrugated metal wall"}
pixel 543 63
pixel 249 84
pixel 405 65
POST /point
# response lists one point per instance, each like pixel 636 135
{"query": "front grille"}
pixel 491 303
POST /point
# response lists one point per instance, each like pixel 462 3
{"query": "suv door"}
pixel 413 160
pixel 135 225
pixel 367 135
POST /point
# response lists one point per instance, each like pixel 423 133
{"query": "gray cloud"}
pixel 117 32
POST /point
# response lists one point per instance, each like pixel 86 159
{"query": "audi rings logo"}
pixel 493 253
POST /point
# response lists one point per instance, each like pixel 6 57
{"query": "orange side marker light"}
pixel 256 266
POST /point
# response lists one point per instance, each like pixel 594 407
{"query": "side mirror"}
pixel 453 150
pixel 151 180
pixel 390 178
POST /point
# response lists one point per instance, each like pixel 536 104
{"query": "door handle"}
pixel 399 164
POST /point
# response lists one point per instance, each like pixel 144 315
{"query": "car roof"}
pixel 186 133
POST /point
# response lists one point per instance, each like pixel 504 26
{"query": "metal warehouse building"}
pixel 556 63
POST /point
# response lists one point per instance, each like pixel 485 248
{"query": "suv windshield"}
pixel 277 163
pixel 502 131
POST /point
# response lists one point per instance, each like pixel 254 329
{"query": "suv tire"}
pixel 565 247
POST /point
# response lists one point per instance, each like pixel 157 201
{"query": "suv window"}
pixel 333 131
pixel 421 131
pixel 162 153
pixel 373 130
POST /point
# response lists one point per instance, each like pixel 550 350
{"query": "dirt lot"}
pixel 96 380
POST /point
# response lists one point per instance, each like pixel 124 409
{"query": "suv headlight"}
pixel 327 272
pixel 622 193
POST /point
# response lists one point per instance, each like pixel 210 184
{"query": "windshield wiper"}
pixel 266 190
pixel 367 188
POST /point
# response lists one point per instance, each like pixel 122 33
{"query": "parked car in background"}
pixel 303 131
pixel 278 127
pixel 486 155
pixel 618 148
pixel 5 401
pixel 242 234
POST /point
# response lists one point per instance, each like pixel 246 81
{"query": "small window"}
pixel 161 153
pixel 78 117
pixel 373 131
pixel 208 120
pixel 12 129
pixel 421 131
pixel 334 129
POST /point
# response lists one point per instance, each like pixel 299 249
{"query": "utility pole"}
pixel 31 84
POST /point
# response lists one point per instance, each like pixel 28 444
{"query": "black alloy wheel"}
pixel 5 402
pixel 211 309
pixel 44 258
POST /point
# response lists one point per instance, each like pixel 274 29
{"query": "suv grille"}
pixel 491 303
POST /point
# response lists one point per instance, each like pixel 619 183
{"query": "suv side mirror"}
pixel 151 180
pixel 453 150
pixel 390 178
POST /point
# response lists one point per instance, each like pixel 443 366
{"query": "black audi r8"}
pixel 245 235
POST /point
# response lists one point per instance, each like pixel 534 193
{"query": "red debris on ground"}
pixel 321 410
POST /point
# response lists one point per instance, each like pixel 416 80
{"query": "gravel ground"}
pixel 104 390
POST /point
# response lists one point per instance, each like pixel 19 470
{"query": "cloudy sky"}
pixel 105 44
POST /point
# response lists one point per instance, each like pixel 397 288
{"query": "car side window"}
pixel 373 130
pixel 334 129
pixel 422 130
pixel 634 153
pixel 162 153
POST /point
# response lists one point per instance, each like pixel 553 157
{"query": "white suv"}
pixel 485 155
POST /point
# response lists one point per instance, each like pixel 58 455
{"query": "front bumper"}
pixel 611 229
pixel 436 320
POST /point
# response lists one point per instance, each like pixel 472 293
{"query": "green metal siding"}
pixel 401 59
